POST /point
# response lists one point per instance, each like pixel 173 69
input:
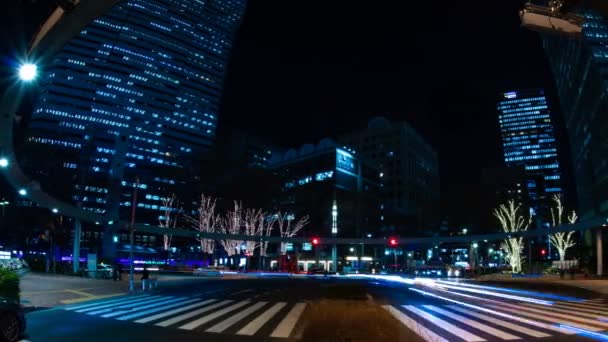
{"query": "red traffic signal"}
pixel 393 241
pixel 315 241
pixel 543 251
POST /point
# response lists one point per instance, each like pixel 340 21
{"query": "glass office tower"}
pixel 528 139
pixel 132 102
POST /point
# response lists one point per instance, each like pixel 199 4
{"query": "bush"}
pixel 9 284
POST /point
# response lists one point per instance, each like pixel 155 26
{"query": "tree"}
pixel 511 221
pixel 286 229
pixel 232 224
pixel 169 220
pixel 207 221
pixel 562 241
pixel 267 225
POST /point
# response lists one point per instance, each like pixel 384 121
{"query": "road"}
pixel 319 309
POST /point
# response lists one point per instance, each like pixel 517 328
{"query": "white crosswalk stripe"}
pixel 256 324
pixel 209 315
pixel 480 326
pixel 289 322
pixel 451 328
pixel 492 320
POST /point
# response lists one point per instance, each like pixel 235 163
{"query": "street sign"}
pixel 307 246
pixel 289 247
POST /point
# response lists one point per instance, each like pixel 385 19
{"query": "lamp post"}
pixel 3 204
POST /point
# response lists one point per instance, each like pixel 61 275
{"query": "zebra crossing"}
pixel 213 315
pixel 495 320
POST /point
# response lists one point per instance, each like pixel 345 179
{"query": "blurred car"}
pixel 104 271
pixel 12 320
pixel 206 272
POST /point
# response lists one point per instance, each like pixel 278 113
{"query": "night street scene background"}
pixel 284 170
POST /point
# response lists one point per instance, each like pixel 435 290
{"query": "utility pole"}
pixel 132 236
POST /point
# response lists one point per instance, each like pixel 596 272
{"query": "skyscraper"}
pixel 132 102
pixel 579 70
pixel 528 140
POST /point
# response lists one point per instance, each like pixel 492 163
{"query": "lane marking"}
pixel 514 327
pixel 255 325
pixel 86 299
pixel 200 321
pixel 192 314
pixel 104 302
pixel 283 330
pixel 414 326
pixel 104 306
pixel 157 309
pixel 134 308
pixel 479 326
pixel 172 312
pixel 241 292
pixel 230 321
pixel 452 329
pixel 585 305
pixel 598 312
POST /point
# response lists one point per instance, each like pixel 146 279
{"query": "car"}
pixel 104 271
pixel 206 272
pixel 12 320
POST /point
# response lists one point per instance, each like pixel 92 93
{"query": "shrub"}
pixel 9 284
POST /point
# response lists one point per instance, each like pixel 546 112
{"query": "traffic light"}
pixel 543 251
pixel 393 242
pixel 315 241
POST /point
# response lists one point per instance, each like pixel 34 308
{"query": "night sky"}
pixel 304 70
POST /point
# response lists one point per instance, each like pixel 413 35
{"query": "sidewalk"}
pixel 599 286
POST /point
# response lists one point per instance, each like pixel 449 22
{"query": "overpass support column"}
pixel 76 249
pixel 599 252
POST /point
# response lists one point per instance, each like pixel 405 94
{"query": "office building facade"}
pixel 407 166
pixel 579 70
pixel 528 141
pixel 132 102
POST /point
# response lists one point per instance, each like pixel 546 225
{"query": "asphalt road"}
pixel 268 309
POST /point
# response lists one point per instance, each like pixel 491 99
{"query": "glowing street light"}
pixel 22 192
pixel 55 210
pixel 475 245
pixel 28 72
pixel 3 162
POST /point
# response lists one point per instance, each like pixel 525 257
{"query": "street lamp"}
pixel 22 192
pixel 55 210
pixel 28 72
pixel 3 162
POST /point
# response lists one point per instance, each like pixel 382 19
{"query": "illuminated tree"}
pixel 267 225
pixel 206 222
pixel 232 224
pixel 287 229
pixel 169 220
pixel 252 224
pixel 562 241
pixel 512 221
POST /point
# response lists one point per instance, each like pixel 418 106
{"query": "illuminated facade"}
pixel 528 140
pixel 579 69
pixel 133 99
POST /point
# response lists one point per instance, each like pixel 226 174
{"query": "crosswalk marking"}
pixel 257 323
pixel 157 309
pixel 465 335
pixel 480 326
pixel 123 299
pixel 200 321
pixel 173 312
pixel 414 326
pixel 554 309
pixel 595 311
pixel 545 318
pixel 502 323
pixel 555 314
pixel 192 314
pixel 289 322
pixel 584 305
pixel 227 323
pixel 102 306
pixel 127 305
pixel 136 308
